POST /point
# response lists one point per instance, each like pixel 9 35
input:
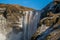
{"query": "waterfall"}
pixel 21 29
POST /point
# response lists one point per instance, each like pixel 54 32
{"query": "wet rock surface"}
pixel 51 22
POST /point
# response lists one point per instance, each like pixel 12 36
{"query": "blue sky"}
pixel 36 4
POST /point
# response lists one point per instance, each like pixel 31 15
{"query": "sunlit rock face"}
pixel 13 22
pixel 19 23
pixel 9 31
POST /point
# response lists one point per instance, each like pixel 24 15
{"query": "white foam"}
pixel 2 37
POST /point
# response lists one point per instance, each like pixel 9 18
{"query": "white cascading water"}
pixel 19 31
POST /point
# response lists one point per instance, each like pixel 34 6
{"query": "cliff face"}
pixel 48 28
pixel 11 10
pixel 16 22
pixel 11 21
pixel 16 7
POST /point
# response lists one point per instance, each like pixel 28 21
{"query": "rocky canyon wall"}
pixel 17 23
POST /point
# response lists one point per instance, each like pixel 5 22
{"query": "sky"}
pixel 35 4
